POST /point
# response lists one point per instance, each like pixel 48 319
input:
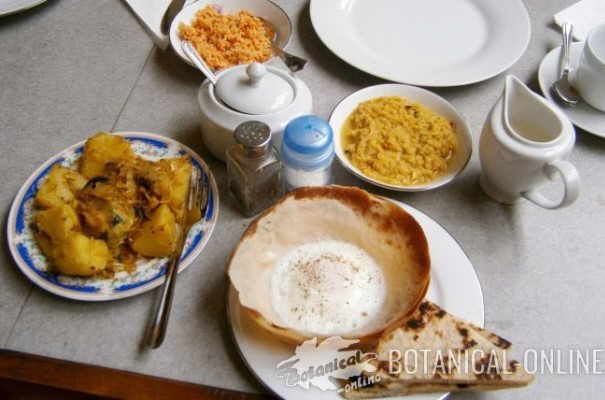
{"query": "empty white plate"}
pixel 428 42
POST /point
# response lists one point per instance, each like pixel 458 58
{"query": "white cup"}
pixel 589 78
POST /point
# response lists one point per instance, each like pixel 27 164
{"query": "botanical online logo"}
pixel 314 364
pixel 323 365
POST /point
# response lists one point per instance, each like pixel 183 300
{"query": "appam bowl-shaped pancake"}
pixel 330 261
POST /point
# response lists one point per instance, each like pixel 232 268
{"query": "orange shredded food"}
pixel 226 40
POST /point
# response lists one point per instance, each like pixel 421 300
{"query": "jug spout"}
pixel 527 116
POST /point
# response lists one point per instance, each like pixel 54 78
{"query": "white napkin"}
pixel 150 13
pixel 584 15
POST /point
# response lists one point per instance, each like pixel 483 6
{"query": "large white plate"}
pixel 582 115
pixel 149 273
pixel 8 7
pixel 425 42
pixel 261 8
pixel 454 286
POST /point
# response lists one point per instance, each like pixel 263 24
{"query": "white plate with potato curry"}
pixel 98 221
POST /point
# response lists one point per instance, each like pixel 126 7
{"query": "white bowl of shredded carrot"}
pixel 231 32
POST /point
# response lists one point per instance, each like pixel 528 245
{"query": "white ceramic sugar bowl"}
pixel 250 92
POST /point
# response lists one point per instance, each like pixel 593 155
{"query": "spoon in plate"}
pixel 294 63
pixel 197 60
pixel 562 89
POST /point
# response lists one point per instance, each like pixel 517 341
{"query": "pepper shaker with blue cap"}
pixel 307 152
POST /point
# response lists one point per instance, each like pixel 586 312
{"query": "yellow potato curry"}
pixel 113 209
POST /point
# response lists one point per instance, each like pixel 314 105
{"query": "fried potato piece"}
pixel 170 181
pixel 45 244
pixel 58 222
pixel 157 237
pixel 59 187
pixel 81 256
pixel 181 172
pixel 101 149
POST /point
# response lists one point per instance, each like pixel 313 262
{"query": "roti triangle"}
pixel 433 351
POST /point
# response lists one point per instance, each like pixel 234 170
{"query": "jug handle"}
pixel 571 180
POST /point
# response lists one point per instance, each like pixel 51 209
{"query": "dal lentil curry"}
pixel 398 142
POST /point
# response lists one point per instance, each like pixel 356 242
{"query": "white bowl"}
pixel 261 8
pixel 431 100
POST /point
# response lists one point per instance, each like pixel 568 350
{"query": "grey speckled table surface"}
pixel 72 67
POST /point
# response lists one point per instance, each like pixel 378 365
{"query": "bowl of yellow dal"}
pixel 401 137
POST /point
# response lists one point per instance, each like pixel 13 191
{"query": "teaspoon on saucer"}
pixel 562 89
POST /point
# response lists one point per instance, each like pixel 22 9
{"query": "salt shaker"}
pixel 307 152
pixel 253 168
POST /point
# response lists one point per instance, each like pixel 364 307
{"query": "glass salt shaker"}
pixel 253 168
pixel 307 152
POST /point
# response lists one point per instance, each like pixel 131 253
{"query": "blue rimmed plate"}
pixel 149 273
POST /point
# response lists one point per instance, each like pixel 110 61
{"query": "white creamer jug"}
pixel 525 142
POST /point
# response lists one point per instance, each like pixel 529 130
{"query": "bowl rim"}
pixel 462 130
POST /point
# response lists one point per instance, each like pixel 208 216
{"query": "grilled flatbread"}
pixel 433 351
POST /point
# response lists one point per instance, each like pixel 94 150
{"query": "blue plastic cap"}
pixel 307 142
pixel 308 134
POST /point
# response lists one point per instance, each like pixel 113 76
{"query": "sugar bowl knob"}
pixel 256 72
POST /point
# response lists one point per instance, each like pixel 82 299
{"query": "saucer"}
pixel 582 115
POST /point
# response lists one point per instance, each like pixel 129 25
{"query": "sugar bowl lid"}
pixel 254 90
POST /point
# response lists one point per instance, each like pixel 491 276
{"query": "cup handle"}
pixel 571 180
